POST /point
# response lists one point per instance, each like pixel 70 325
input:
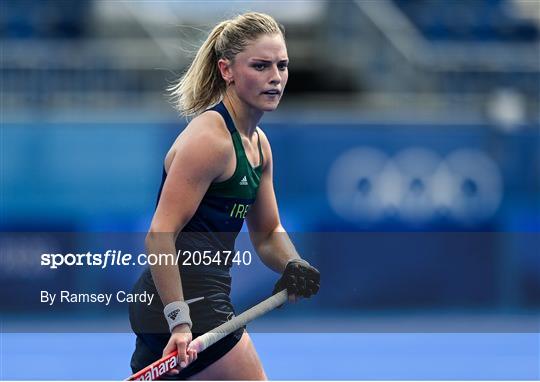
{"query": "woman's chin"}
pixel 269 106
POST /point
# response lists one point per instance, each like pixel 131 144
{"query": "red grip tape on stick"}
pixel 170 361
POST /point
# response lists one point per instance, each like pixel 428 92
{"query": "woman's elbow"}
pixel 158 234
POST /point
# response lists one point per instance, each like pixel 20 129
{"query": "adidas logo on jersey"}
pixel 243 182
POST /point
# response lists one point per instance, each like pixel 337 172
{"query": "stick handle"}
pixel 170 361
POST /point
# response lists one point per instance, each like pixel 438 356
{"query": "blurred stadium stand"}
pixel 401 59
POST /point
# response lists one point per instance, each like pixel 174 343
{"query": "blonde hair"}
pixel 202 86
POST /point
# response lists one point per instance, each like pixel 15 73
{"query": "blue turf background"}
pixel 334 356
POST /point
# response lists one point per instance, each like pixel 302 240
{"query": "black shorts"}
pixel 150 326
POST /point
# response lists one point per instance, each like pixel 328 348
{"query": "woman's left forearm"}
pixel 275 248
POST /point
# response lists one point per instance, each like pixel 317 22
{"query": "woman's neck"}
pixel 245 118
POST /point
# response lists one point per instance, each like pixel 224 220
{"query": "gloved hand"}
pixel 299 278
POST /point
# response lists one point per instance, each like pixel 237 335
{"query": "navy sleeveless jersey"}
pixel 221 213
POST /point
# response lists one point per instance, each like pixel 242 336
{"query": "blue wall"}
pixel 90 177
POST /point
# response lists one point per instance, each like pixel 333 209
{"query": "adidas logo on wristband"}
pixel 177 313
pixel 173 314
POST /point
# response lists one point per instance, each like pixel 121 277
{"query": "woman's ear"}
pixel 224 66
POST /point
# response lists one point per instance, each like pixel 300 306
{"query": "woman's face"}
pixel 260 72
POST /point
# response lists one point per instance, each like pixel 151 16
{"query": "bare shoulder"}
pixel 265 145
pixel 205 136
pixel 208 128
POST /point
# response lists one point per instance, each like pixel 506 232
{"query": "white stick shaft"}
pixel 210 338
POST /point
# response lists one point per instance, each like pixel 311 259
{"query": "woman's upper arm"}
pixel 263 216
pixel 199 158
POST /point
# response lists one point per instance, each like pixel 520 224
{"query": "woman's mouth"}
pixel 272 92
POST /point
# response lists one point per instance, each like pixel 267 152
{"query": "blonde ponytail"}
pixel 202 85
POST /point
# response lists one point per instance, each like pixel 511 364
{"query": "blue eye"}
pixel 282 66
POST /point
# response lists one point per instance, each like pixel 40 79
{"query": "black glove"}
pixel 299 278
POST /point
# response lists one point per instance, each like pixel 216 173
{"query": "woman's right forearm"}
pixel 166 276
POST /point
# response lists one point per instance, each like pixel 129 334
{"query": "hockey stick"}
pixel 170 361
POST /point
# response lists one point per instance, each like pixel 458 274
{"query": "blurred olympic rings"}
pixel 415 185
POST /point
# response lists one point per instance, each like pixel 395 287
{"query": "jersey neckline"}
pixel 230 119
